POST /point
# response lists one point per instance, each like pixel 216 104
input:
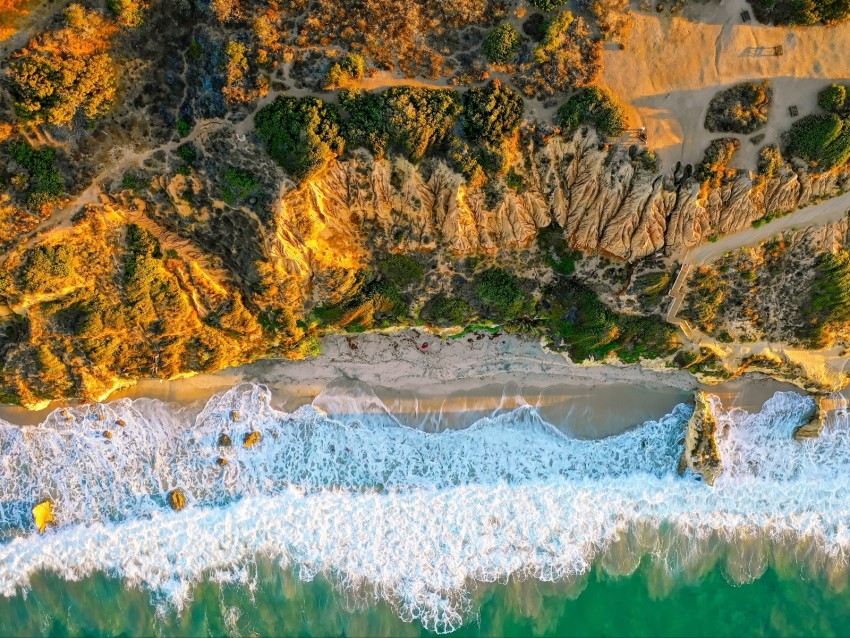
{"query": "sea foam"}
pixel 411 517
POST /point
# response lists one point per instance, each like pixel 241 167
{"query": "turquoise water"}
pixel 351 523
pixel 282 605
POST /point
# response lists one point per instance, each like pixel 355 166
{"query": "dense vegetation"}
pixel 742 108
pixel 822 140
pixel 66 71
pixel 830 295
pixel 801 12
pixel 300 134
pixel 595 106
pixel 43 183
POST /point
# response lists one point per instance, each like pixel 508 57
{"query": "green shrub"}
pixel 595 106
pixel 188 153
pixel 300 134
pixel 45 184
pixel 548 5
pixel 351 67
pixel 587 328
pixel 501 44
pixel 822 140
pixel 183 128
pixel 401 270
pixel 770 161
pixel 446 310
pixel 830 294
pixel 238 184
pixel 46 268
pixel 742 108
pixel 410 120
pixel 716 158
pixel 833 98
pixel 420 119
pixel 491 113
pixel 499 293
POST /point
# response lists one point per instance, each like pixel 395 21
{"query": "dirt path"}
pixel 826 211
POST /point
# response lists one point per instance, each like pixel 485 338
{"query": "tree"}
pixel 300 134
pixel 491 113
pixel 501 44
pixel 596 106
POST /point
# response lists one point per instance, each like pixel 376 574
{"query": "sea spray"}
pixel 416 518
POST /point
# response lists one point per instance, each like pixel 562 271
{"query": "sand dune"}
pixel 672 66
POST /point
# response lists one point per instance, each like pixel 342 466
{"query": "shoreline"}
pixel 453 381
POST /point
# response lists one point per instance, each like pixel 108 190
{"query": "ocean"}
pixel 344 522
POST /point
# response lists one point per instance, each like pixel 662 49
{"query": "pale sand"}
pixel 451 384
pixel 672 66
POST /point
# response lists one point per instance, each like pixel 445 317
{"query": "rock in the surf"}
pixel 813 428
pixel 42 515
pixel 251 438
pixel 177 499
pixel 701 454
pixel 224 440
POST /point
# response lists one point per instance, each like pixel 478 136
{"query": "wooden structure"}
pixel 778 50
pixel 793 110
pixel 745 16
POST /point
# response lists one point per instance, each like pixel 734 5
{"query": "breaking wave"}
pixel 411 517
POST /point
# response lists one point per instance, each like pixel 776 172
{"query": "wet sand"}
pixel 451 384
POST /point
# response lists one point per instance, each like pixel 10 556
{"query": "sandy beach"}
pixel 452 383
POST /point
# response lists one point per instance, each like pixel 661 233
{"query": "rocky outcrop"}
pixel 701 454
pixel 813 428
pixel 42 515
pixel 176 499
pixel 603 198
pixel 251 439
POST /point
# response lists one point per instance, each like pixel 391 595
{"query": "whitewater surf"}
pixel 413 518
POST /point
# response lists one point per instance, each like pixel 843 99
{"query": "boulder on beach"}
pixel 701 454
pixel 42 515
pixel 251 438
pixel 176 499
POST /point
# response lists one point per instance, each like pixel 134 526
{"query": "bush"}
pixel 717 156
pixel 401 270
pixel 350 68
pixel 595 106
pixel 568 56
pixel 833 98
pixel 491 113
pixel 130 13
pixel 410 120
pixel 578 320
pixel 44 184
pixel 300 134
pixel 830 294
pixel 548 5
pixel 822 140
pixel 742 108
pixel 238 184
pixel 46 268
pixel 447 310
pixel 501 44
pixel 770 161
pixel 500 294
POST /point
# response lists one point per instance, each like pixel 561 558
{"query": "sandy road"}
pixel 819 214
